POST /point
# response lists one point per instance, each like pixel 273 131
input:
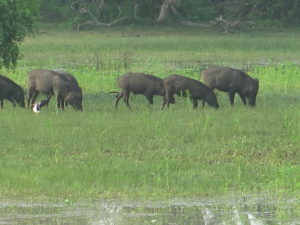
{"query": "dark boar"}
pixel 138 83
pixel 180 85
pixel 11 91
pixel 50 82
pixel 232 81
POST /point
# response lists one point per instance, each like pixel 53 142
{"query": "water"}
pixel 249 210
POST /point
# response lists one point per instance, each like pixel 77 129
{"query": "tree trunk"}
pixel 135 11
pixel 164 9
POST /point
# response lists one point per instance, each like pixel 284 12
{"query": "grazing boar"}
pixel 232 81
pixel 139 83
pixel 180 85
pixel 50 82
pixel 11 91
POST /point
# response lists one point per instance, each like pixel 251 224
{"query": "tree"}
pixel 17 19
pixel 164 9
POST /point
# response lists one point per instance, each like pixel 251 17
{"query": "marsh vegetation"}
pixel 146 152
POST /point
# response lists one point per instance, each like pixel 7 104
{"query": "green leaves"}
pixel 17 19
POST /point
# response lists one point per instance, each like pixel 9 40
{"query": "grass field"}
pixel 146 152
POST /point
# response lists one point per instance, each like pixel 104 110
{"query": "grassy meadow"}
pixel 146 152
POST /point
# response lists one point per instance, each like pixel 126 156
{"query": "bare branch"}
pixel 91 3
pixel 174 10
pixel 230 26
pixel 85 23
pixel 192 24
pixel 254 7
pixel 96 22
pixel 135 11
pixel 99 24
pixel 227 25
pixel 164 9
pixel 74 3
pixel 91 14
pixel 100 7
pixel 120 11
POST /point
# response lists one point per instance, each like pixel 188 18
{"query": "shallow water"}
pixel 252 210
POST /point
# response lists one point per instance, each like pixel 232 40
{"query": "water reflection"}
pixel 248 210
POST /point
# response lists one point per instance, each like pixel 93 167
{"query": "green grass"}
pixel 146 152
pixel 68 49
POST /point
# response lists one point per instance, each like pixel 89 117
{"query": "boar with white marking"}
pixel 49 83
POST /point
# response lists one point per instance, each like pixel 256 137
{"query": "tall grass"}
pixel 147 152
pixel 66 49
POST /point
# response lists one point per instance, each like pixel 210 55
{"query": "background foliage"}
pixel 281 12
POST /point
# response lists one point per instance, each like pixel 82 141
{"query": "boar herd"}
pixel 222 78
pixel 68 92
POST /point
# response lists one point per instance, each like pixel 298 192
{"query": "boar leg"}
pixel 164 103
pixel 231 97
pixel 48 99
pixel 32 99
pixel 169 96
pixel 195 102
pixel 212 88
pixel 1 102
pixel 126 98
pixel 150 99
pixel 243 98
pixel 118 97
pixel 32 95
pixel 60 102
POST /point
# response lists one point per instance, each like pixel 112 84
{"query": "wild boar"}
pixel 50 82
pixel 232 81
pixel 180 85
pixel 11 91
pixel 138 83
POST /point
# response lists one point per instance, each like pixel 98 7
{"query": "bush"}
pixel 17 19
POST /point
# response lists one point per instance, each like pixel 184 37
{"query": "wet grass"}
pixel 146 152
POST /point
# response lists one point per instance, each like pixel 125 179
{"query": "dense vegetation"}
pixel 105 13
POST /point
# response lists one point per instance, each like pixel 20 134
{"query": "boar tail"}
pixel 115 92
